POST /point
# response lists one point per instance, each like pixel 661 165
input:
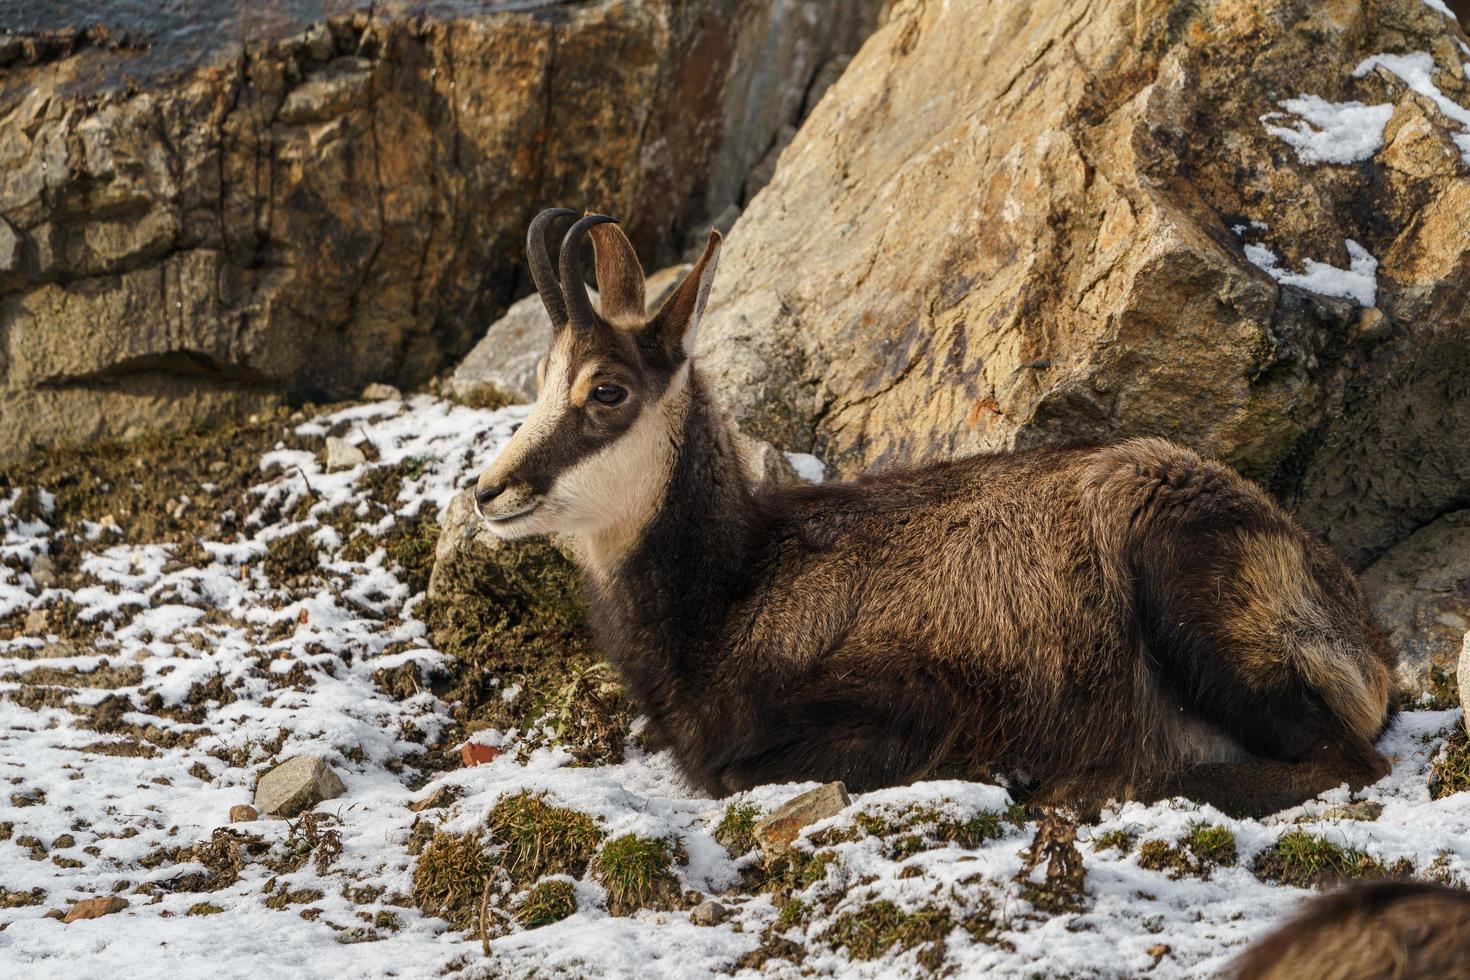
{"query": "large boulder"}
pixel 1420 589
pixel 204 212
pixel 1009 225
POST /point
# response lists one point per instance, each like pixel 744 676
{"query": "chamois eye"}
pixel 609 394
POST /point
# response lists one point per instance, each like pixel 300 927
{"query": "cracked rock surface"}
pixel 204 215
pixel 1030 224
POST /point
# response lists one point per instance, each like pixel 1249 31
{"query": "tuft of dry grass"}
pixel 551 900
pixel 534 838
pixel 1055 844
pixel 451 873
pixel 872 930
pixel 1449 773
pixel 637 873
pixel 1203 848
pixel 1312 861
pixel 736 830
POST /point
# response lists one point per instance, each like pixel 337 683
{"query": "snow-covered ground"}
pixel 225 670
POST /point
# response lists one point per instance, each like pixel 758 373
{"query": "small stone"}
pixel 319 42
pixel 379 392
pixel 1464 671
pixel 475 754
pixel 297 785
pixel 342 455
pixel 94 908
pixel 764 463
pixel 1159 951
pixel 709 913
pixel 242 813
pixel 1357 810
pixel 778 829
pixel 11 247
pixel 437 800
pixel 43 572
pixel 28 797
pixel 36 622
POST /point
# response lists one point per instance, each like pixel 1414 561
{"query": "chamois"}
pixel 1124 621
pixel 1376 930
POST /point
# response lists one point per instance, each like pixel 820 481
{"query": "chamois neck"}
pixel 673 588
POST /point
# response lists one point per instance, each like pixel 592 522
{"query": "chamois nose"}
pixel 487 494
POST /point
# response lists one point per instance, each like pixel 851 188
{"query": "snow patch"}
pixel 808 467
pixel 1331 132
pixel 1417 71
pixel 1358 282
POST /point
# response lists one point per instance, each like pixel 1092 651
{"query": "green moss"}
pixel 1115 840
pixel 552 900
pixel 450 875
pixel 512 616
pixel 1202 849
pixel 636 871
pixel 299 896
pixel 917 828
pixel 382 484
pixel 410 546
pixel 1210 843
pixel 1449 773
pixel 1443 689
pixel 875 928
pixel 736 830
pixel 1310 861
pixel 798 870
pixel 290 555
pixel 535 838
pixel 486 396
pixel 514 592
pixel 135 481
pixel 794 913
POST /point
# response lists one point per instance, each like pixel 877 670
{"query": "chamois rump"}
pixel 1125 621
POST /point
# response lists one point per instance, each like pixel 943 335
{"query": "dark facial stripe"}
pixel 583 430
pixel 574 437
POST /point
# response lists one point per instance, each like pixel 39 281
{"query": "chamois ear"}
pixel 680 314
pixel 619 275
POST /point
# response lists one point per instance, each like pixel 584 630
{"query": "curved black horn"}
pixel 573 287
pixel 542 271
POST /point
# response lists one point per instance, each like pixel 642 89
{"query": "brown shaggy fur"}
pixel 1124 621
pixel 1378 931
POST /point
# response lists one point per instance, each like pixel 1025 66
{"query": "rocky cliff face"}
pixel 1238 224
pixel 204 214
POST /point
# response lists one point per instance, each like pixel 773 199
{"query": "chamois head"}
pixel 592 457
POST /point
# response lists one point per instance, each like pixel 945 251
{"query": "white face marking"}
pixel 604 499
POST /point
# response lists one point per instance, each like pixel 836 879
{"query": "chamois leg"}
pixel 1255 788
pixel 861 761
pixel 1262 787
